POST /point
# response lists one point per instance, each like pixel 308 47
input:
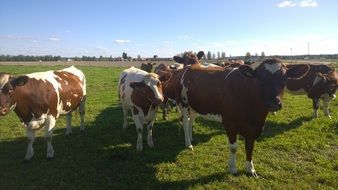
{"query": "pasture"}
pixel 294 152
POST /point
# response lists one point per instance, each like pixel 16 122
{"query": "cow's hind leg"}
pixel 69 123
pixel 315 104
pixel 49 126
pixel 31 136
pixel 82 113
pixel 249 167
pixel 326 101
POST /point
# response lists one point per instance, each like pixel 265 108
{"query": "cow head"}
pixel 6 94
pixel 189 58
pixel 271 75
pixel 4 78
pixel 151 86
pixel 324 85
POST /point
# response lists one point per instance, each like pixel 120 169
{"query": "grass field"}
pixel 294 152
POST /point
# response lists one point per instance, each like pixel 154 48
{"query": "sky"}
pixel 165 28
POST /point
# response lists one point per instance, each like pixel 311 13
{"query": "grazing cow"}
pixel 319 83
pixel 147 66
pixel 39 98
pixel 4 77
pixel 140 92
pixel 240 98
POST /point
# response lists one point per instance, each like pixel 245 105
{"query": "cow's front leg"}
pixel 315 105
pixel 249 167
pixel 49 126
pixel 150 134
pixel 31 136
pixel 185 115
pixel 125 118
pixel 139 129
pixel 326 101
pixel 233 145
pixel 192 117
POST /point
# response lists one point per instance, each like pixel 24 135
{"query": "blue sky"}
pixel 166 28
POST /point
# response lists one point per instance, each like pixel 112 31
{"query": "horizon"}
pixel 147 28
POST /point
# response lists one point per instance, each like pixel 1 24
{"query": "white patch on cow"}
pixel 75 95
pixel 272 68
pixel 69 104
pixel 80 75
pixel 249 167
pixel 152 83
pixel 184 94
pixel 209 65
pixel 12 107
pixel 37 123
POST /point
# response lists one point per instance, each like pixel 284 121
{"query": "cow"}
pixel 240 98
pixel 147 66
pixel 141 93
pixel 38 99
pixel 319 83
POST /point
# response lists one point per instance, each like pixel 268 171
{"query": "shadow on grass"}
pixel 102 157
pixel 273 129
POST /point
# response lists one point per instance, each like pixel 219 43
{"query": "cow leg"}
pixel 249 167
pixel 192 118
pixel 150 134
pixel 31 136
pixel 82 113
pixel 185 115
pixel 139 129
pixel 69 123
pixel 164 107
pixel 125 118
pixel 49 126
pixel 315 104
pixel 233 145
pixel 326 102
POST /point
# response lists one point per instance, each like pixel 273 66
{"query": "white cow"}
pixel 140 92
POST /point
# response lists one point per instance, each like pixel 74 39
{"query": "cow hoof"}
pixel 252 174
pixel 139 148
pixel 50 158
pixel 151 144
pixel 191 147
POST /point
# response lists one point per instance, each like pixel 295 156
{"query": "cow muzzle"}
pixel 274 105
pixel 3 111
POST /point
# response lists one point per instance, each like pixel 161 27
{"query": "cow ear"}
pixel 178 59
pixel 247 71
pixel 165 76
pixel 200 54
pixel 137 85
pixel 20 81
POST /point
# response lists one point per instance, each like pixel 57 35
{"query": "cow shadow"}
pixel 273 128
pixel 103 156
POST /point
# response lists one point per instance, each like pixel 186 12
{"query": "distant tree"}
pixel 138 57
pixel 218 55
pixel 262 55
pixel 155 56
pixel 213 56
pixel 209 55
pixel 256 55
pixel 124 55
pixel 247 56
pixel 223 55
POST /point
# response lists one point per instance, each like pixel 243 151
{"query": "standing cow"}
pixel 140 92
pixel 319 83
pixel 240 98
pixel 148 67
pixel 39 98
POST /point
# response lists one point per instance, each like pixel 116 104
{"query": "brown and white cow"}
pixel 319 83
pixel 147 66
pixel 240 98
pixel 39 98
pixel 140 92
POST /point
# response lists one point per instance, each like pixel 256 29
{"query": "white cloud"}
pixel 308 3
pixel 122 41
pixel 67 31
pixel 183 37
pixel 54 39
pixel 301 3
pixel 168 42
pixel 286 4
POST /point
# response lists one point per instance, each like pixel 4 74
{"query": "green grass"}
pixel 295 151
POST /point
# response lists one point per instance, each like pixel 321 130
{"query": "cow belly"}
pixel 210 116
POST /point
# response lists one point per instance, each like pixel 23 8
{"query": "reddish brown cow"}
pixel 319 83
pixel 239 98
pixel 39 98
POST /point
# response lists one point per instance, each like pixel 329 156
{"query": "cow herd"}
pixel 238 95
